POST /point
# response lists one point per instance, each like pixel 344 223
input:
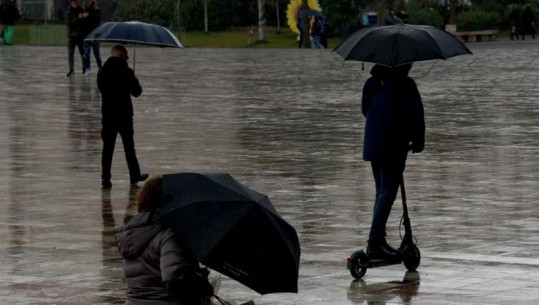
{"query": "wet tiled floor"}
pixel 286 123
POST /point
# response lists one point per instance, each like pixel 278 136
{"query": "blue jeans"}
pixel 88 47
pixel 387 178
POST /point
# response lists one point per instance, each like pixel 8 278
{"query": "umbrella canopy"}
pixel 232 229
pixel 309 13
pixel 400 44
pixel 134 32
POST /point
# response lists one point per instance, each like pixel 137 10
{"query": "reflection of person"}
pixel 9 14
pixel 528 23
pixel 158 267
pixel 117 82
pixel 394 123
pixel 390 18
pixel 74 35
pixel 91 17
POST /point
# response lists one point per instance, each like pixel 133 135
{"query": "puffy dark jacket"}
pixel 117 82
pixel 9 13
pixel 93 20
pixel 74 23
pixel 394 115
pixel 158 268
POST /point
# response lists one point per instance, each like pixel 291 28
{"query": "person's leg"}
pixel 80 46
pixel 388 178
pixel 108 135
pixel 97 54
pixel 71 55
pixel 127 134
pixel 86 56
pixel 8 34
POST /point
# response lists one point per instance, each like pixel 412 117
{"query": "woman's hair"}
pixel 149 196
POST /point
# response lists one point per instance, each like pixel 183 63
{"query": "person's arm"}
pixel 134 86
pixel 416 118
pixel 184 279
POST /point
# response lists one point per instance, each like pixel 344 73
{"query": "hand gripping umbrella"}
pixel 400 44
pixel 232 229
pixel 134 32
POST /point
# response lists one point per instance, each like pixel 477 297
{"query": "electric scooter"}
pixel 409 254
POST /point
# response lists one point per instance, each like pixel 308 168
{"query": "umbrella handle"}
pixel 221 301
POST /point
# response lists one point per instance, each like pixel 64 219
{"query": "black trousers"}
pixel 109 132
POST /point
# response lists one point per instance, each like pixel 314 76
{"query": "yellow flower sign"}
pixel 294 7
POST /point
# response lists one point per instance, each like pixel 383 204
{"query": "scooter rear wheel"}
pixel 358 260
pixel 411 257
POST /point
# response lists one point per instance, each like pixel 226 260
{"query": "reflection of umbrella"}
pixel 400 44
pixel 309 13
pixel 232 229
pixel 134 32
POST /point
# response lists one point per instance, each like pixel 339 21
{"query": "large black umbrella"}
pixel 134 32
pixel 232 229
pixel 395 45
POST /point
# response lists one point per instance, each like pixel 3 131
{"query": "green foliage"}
pixel 151 11
pixel 426 16
pixel 477 20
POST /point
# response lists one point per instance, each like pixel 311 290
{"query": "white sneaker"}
pixel 87 72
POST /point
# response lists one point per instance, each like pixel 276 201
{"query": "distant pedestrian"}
pixel 9 14
pixel 394 125
pixel 117 83
pixel 316 33
pixel 516 25
pixel 299 25
pixel 74 35
pixel 390 18
pixel 403 15
pixel 91 17
pixel 158 267
pixel 528 23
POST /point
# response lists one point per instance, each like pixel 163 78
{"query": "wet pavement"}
pixel 286 123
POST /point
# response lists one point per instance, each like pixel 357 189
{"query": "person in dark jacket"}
pixel 528 23
pixel 91 20
pixel 9 14
pixel 158 267
pixel 394 124
pixel 117 82
pixel 74 35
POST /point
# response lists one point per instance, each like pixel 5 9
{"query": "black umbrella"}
pixel 232 229
pixel 134 32
pixel 400 44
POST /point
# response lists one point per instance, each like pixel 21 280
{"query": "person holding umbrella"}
pixel 158 268
pixel 394 125
pixel 117 83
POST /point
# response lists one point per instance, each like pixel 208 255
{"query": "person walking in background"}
pixel 74 35
pixel 390 18
pixel 9 14
pixel 528 23
pixel 514 18
pixel 117 83
pixel 158 267
pixel 394 124
pixel 316 33
pixel 91 17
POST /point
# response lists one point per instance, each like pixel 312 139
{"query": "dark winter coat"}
pixel 9 13
pixel 92 20
pixel 74 23
pixel 158 268
pixel 117 82
pixel 394 115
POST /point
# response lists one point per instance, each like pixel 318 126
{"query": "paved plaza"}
pixel 287 123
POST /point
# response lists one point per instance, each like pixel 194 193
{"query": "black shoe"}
pixel 142 177
pixel 380 252
pixel 105 184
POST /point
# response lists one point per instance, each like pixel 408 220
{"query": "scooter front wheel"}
pixel 356 264
pixel 411 257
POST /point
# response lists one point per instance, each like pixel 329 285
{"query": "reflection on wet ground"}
pixel 286 123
